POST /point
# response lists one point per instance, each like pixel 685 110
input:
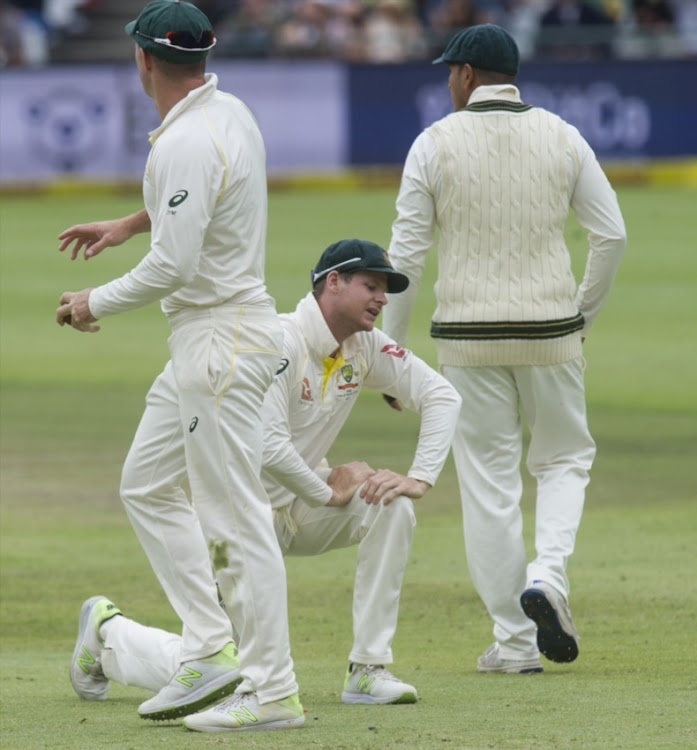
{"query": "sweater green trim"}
pixel 494 105
pixel 529 329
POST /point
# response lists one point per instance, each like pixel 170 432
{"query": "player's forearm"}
pixel 603 262
pixel 287 468
pixel 137 223
pixel 150 281
pixel 439 415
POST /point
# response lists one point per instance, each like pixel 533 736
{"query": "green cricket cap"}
pixel 359 255
pixel 486 47
pixel 175 31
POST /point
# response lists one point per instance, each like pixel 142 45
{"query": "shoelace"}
pixel 232 701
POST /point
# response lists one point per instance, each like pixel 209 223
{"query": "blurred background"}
pixel 345 85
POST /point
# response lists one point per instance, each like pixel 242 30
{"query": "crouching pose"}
pixel 331 350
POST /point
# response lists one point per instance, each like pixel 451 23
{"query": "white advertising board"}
pixel 93 122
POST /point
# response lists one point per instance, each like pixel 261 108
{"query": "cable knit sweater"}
pixel 499 180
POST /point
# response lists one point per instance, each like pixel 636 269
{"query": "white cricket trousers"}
pixel 383 534
pixel 201 429
pixel 142 656
pixel 487 449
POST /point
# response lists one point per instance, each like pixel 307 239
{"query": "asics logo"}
pixel 193 424
pixel 185 679
pixel 179 197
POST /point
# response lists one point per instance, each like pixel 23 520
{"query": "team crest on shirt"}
pixel 348 380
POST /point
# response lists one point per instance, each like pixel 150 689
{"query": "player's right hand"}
pixel 345 479
pixel 93 237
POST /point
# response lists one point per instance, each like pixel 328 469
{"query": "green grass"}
pixel 70 403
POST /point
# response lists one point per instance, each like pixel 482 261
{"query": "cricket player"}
pixel 206 208
pixel 498 178
pixel 331 352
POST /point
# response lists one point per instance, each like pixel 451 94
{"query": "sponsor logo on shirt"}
pixel 282 366
pixel 178 198
pixel 393 350
pixel 306 391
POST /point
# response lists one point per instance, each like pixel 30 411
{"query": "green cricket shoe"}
pixel 372 683
pixel 86 674
pixel 242 711
pixel 196 684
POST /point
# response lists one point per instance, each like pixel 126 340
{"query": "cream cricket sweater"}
pixel 505 290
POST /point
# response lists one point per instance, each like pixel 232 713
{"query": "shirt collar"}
pixel 316 332
pixel 506 92
pixel 195 98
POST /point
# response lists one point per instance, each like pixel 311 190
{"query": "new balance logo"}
pixel 243 716
pixel 85 661
pixel 364 683
pixel 185 679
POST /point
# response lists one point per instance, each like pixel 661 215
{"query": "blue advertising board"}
pixel 625 110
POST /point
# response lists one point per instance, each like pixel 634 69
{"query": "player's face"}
pixel 361 298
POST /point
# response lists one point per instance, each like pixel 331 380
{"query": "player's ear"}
pixel 332 283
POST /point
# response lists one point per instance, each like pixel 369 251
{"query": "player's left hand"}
pixel 385 485
pixel 75 311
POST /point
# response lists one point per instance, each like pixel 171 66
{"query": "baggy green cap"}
pixel 359 255
pixel 486 47
pixel 175 31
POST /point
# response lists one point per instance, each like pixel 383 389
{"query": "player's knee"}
pixel 402 508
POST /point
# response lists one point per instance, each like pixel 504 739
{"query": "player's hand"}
pixel 94 237
pixel 385 485
pixel 392 402
pixel 75 311
pixel 345 479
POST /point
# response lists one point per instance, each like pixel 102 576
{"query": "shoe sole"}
pixel 192 706
pixel 511 670
pixel 281 724
pixel 363 699
pixel 552 640
pixel 85 612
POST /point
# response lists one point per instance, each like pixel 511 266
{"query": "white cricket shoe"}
pixel 196 684
pixel 492 661
pixel 372 683
pixel 557 638
pixel 86 674
pixel 242 711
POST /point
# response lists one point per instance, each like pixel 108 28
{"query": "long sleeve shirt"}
pixel 314 392
pixel 434 181
pixel 205 193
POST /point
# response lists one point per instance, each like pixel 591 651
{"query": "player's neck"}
pixel 168 94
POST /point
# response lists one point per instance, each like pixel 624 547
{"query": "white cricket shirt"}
pixel 313 394
pixel 205 192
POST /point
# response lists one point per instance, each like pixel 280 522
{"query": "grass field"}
pixel 70 403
